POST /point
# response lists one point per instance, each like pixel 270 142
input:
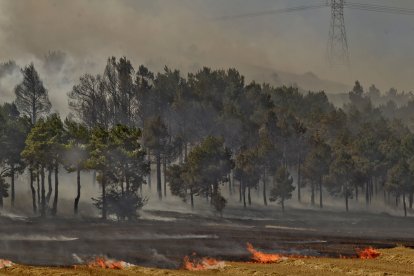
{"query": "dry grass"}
pixel 397 261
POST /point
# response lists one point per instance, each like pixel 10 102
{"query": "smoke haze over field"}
pixel 184 34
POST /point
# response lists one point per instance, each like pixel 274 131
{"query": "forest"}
pixel 202 133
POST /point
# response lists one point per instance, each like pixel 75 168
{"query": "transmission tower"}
pixel 338 53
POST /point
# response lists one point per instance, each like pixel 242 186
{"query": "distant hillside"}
pixel 306 81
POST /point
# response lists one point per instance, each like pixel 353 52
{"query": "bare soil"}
pixel 161 239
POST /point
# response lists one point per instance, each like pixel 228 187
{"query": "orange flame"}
pixel 368 253
pixel 261 257
pixel 196 264
pixel 5 263
pixel 108 264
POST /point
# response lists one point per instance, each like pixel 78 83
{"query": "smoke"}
pixel 18 237
pixel 147 236
pixel 10 76
pixel 66 39
pixel 161 260
pixel 77 259
pixel 182 34
pixel 12 216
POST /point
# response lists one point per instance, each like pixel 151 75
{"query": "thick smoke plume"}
pixel 183 34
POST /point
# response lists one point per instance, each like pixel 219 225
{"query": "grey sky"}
pixel 183 34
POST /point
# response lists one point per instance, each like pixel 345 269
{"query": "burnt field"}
pixel 162 238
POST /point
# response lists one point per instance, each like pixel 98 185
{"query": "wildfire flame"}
pixel 100 262
pixel 196 264
pixel 5 263
pixel 261 257
pixel 368 253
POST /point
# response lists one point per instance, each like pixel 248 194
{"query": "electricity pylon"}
pixel 338 53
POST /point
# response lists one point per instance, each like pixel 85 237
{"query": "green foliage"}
pixel 207 165
pixel 282 188
pixel 341 172
pixel 247 169
pixel 75 153
pixel 120 160
pixel 31 96
pixel 264 133
pixel 155 135
pixel 399 179
pixel 44 144
pixel 121 205
pixel 318 160
pixel 178 185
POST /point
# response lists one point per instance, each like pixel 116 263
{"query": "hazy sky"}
pixel 184 34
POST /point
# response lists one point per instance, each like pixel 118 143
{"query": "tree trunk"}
pixel 149 174
pixel 34 111
pixel 78 184
pixel 121 184
pixel 232 180
pixel 264 188
pixel 244 195
pixel 55 199
pixel 49 182
pixel 346 200
pixel 94 178
pixel 249 196
pixel 38 189
pixel 192 198
pixel 103 195
pixel 313 194
pixel 282 201
pixel 320 193
pixel 410 199
pixel 180 157
pixel 371 189
pixel 299 178
pixel 164 168
pixel 405 206
pixel 1 197
pixel 127 184
pixel 12 174
pixel 159 184
pixel 43 202
pixel 356 192
pixel 33 191
pixel 230 189
pixel 210 192
pixel 240 189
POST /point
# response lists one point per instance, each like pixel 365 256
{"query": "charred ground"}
pixel 164 238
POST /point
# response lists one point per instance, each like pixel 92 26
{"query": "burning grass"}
pixel 5 263
pixel 194 263
pixel 368 253
pixel 396 261
pixel 261 257
pixel 101 262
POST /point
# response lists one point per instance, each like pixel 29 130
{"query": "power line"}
pixel 379 8
pixel 272 12
pixel 338 52
pixel 347 4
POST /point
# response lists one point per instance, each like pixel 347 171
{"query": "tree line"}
pixel 204 133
